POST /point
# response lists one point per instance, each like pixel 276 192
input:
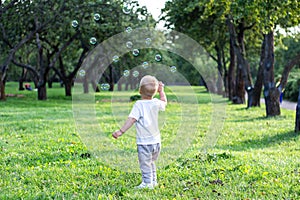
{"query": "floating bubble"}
pixel 148 41
pixel 128 29
pixel 145 65
pixel 75 23
pixel 158 57
pixel 129 44
pixel 105 86
pixel 93 40
pixel 97 16
pixel 82 73
pixel 116 58
pixel 127 8
pixel 135 74
pixel 135 52
pixel 126 73
pixel 173 69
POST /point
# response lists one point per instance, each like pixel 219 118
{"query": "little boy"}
pixel 145 116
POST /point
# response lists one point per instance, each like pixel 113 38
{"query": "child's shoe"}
pixel 144 185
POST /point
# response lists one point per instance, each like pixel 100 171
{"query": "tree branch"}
pixel 287 68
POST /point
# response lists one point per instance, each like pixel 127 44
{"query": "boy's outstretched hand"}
pixel 117 134
pixel 129 122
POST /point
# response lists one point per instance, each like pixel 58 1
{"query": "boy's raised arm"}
pixel 161 92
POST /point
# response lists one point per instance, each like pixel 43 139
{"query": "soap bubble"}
pixel 105 86
pixel 93 40
pixel 158 57
pixel 82 73
pixel 173 69
pixel 135 52
pixel 129 44
pixel 135 74
pixel 96 16
pixel 148 41
pixel 127 8
pixel 145 65
pixel 126 73
pixel 75 23
pixel 128 29
pixel 116 58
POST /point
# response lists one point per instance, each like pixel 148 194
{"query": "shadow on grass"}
pixel 248 119
pixel 260 143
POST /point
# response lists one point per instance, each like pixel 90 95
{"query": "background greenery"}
pixel 42 156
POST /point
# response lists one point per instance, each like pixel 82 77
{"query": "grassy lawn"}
pixel 44 156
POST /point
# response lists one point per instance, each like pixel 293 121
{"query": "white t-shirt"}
pixel 146 114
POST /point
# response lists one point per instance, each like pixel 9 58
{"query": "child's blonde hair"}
pixel 148 86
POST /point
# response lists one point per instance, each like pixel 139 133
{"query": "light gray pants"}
pixel 147 155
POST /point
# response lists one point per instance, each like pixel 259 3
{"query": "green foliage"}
pixel 291 91
pixel 135 97
pixel 289 48
pixel 42 156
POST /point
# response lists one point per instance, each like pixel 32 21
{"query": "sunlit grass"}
pixel 43 156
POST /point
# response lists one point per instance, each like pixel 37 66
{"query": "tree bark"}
pixel 95 86
pixel 239 97
pixel 111 78
pixel 22 78
pixel 271 93
pixel 231 73
pixel 42 89
pixel 220 69
pixel 2 88
pixel 297 123
pixel 68 87
pixel 85 86
pixel 120 83
pixel 42 92
pixel 259 78
pixel 243 78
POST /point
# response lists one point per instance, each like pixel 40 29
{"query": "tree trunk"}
pixel 256 95
pixel 239 93
pixel 271 93
pixel 68 87
pixel 231 73
pixel 43 71
pixel 85 86
pixel 220 70
pixel 297 123
pixel 111 78
pixel 42 92
pixel 95 86
pixel 243 80
pixel 120 83
pixel 22 78
pixel 127 84
pixel 2 88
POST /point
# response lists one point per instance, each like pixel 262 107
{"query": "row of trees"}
pixel 48 39
pixel 52 38
pixel 232 32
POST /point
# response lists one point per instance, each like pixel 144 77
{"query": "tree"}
pixel 191 17
pixel 297 123
pixel 286 14
pixel 202 21
pixel 207 25
pixel 22 28
pixel 60 46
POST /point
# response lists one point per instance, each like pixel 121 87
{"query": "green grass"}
pixel 43 156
